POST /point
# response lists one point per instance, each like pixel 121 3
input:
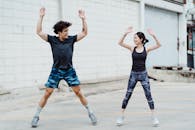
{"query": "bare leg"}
pixel 120 119
pixel 122 112
pixel 42 103
pixel 43 100
pixel 45 97
pixel 83 100
pixel 80 95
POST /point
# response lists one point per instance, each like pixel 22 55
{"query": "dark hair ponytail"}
pixel 145 41
pixel 142 36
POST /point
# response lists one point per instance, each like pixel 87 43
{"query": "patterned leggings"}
pixel 133 79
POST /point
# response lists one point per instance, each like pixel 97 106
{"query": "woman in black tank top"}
pixel 138 72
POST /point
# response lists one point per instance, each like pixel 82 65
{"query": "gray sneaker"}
pixel 34 122
pixel 92 118
pixel 120 121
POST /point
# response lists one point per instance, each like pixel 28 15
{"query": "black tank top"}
pixel 139 60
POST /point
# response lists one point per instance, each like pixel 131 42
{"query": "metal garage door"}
pixel 165 24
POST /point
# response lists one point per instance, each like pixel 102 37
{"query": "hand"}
pixel 82 14
pixel 129 30
pixel 42 12
pixel 151 32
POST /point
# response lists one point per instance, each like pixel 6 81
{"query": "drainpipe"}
pixel 182 41
pixel 60 5
pixel 142 15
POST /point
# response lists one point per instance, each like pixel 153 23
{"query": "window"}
pixel 177 1
pixel 191 39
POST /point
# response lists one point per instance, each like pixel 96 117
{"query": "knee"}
pixel 78 93
pixel 128 95
pixel 148 94
pixel 129 90
pixel 149 98
pixel 151 105
pixel 47 94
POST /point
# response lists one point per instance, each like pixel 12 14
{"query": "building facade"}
pixel 26 60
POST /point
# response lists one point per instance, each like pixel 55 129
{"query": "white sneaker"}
pixel 155 122
pixel 120 121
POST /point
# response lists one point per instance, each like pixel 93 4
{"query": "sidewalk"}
pixel 174 102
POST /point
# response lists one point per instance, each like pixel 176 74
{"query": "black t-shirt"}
pixel 62 51
pixel 139 60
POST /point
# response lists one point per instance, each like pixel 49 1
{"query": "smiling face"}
pixel 137 40
pixel 64 33
pixel 61 28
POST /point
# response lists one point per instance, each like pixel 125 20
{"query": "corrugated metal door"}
pixel 165 25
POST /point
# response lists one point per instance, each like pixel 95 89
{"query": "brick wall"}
pixel 26 60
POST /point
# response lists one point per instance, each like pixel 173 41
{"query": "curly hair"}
pixel 60 25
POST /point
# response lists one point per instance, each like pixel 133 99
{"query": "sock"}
pixel 88 109
pixel 38 111
pixel 153 113
pixel 153 116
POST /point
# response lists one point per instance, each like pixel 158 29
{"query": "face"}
pixel 64 33
pixel 137 40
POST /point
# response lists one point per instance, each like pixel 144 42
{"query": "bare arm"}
pixel 83 33
pixel 121 41
pixel 155 38
pixel 39 25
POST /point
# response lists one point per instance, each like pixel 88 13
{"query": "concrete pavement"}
pixel 175 103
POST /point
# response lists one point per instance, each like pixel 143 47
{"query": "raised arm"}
pixel 121 41
pixel 39 25
pixel 155 38
pixel 83 33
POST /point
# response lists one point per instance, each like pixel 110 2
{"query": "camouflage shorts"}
pixel 57 74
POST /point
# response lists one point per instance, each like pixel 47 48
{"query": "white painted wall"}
pixel 99 56
pixel 26 60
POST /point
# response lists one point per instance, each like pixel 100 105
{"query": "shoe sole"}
pixel 94 123
pixel 33 126
pixel 119 124
pixel 155 125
